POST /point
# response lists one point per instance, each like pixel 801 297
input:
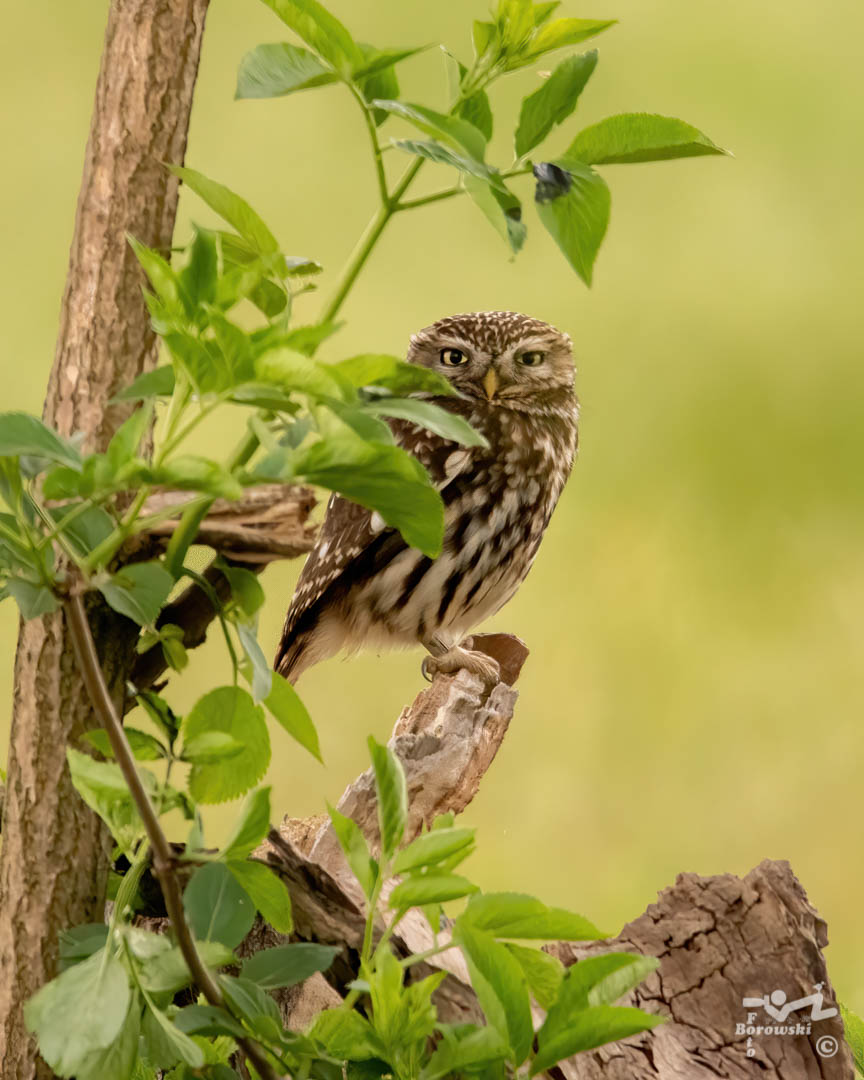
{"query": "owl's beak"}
pixel 491 382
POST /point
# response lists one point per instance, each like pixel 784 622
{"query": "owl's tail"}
pixel 306 640
pixel 293 655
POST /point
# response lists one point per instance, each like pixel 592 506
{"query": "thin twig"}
pixel 163 858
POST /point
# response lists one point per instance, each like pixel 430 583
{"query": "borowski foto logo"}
pixel 779 1010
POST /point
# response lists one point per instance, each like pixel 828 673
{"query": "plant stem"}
pixel 418 958
pixel 439 196
pixel 163 858
pixel 376 146
pixel 104 552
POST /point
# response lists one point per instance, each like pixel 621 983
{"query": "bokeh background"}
pixel 694 696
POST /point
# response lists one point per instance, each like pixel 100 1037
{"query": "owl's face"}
pixel 499 356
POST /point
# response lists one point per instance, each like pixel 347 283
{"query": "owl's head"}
pixel 499 356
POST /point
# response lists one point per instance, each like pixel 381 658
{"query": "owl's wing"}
pixel 358 540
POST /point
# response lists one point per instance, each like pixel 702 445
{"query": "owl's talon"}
pixel 459 659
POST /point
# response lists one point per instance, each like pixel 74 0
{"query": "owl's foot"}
pixel 459 659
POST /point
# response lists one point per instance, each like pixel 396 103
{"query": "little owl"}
pixel 362 585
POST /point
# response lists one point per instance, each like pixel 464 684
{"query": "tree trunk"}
pixel 53 860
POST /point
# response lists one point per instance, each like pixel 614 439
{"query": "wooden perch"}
pixel 718 939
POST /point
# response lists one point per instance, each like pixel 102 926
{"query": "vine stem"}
pixel 163 858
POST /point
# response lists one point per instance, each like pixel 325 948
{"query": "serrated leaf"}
pixel 542 972
pixel 247 998
pixel 443 155
pixel 103 788
pixel 208 1020
pixel 166 972
pixel 229 709
pixel 573 204
pixel 458 132
pixel 117 1060
pixel 267 891
pixel 554 101
pixel 80 1012
pixel 144 746
pixel 345 1035
pixel 198 277
pixel 431 848
pixel 162 278
pixel 294 372
pixel 557 34
pixel 284 704
pixel 320 30
pixel 594 1026
pixel 287 965
pixel 88 528
pixel 356 850
pixel 276 70
pixel 853 1028
pixel 32 600
pixel 456 1056
pixel 635 137
pixel 427 415
pixel 138 591
pixel 515 915
pixel 251 827
pixel 477 111
pixel 501 207
pixel 217 907
pixel 231 207
pixel 169 1043
pixel 392 794
pixel 211 746
pixel 22 434
pixel 189 472
pixel 398 376
pixel 429 888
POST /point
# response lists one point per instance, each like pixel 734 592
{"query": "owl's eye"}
pixel 532 359
pixel 453 357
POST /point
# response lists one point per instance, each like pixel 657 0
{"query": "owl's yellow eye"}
pixel 453 357
pixel 532 359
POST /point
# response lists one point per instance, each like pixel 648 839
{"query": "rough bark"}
pixel 53 860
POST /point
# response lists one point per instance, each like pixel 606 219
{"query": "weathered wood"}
pixel 53 863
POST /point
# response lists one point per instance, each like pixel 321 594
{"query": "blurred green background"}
pixel 694 693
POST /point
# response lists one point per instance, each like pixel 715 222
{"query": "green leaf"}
pixel 458 132
pixel 285 706
pixel 293 371
pixel 245 587
pixel 554 101
pixel 321 31
pixel 22 434
pixel 166 972
pixel 485 38
pixel 199 275
pixel 455 1057
pixel 543 12
pixel 345 1035
pixel 231 207
pixel 208 1020
pixel 32 600
pixel 429 889
pixel 392 794
pixel 573 204
pixel 853 1027
pixel 156 383
pixel 370 369
pixel 557 34
pixel 126 439
pixel 79 942
pixel 500 988
pixel 594 1026
pixel 276 70
pixel 167 1043
pixel 267 891
pixel 211 746
pixel 217 907
pixel 501 208
pixel 382 478
pixel 247 998
pixel 432 847
pixel 307 339
pixel 634 137
pixel 90 526
pixel 356 850
pixel 596 980
pixel 443 155
pixel 262 673
pixel 160 712
pixel 79 1012
pixel 103 788
pixel 138 591
pixel 542 972
pixel 251 827
pixel 116 1061
pixel 144 746
pixel 192 473
pixel 514 915
pixel 287 965
pixel 232 710
pixel 429 416
pixel 477 111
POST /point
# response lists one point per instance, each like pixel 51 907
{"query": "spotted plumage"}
pixel 363 586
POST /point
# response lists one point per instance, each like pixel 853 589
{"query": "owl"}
pixel 363 586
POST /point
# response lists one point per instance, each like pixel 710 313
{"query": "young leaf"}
pixel 431 848
pixel 285 706
pixel 591 1027
pixel 514 915
pixel 597 980
pixel 79 1012
pixel 634 137
pixel 210 746
pixel 217 907
pixel 557 34
pixel 393 374
pixel 429 888
pixel 392 795
pixel 451 129
pixel 443 155
pixel 501 208
pixel 138 591
pixel 477 111
pixel 126 439
pixel 554 101
pixel 251 827
pixel 345 1035
pixel 382 82
pixel 267 892
pixel 853 1027
pixel 455 1056
pixel 231 207
pixel 276 70
pixel 500 988
pixel 161 277
pixel 198 276
pixel 320 30
pixel 287 965
pixel 429 416
pixel 542 972
pixel 232 710
pixel 356 850
pixel 573 203
pixel 22 434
